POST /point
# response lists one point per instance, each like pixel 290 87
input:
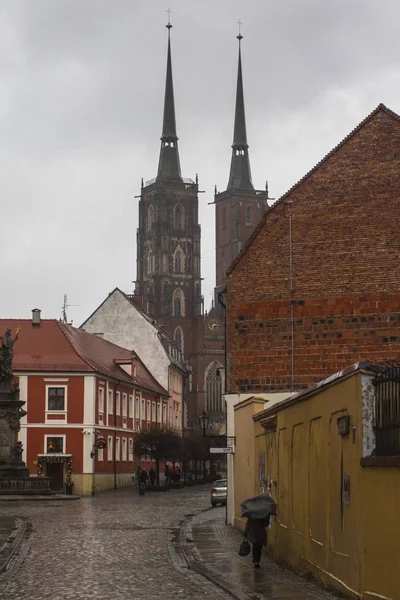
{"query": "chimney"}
pixel 36 319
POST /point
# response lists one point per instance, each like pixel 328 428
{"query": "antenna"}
pixel 64 307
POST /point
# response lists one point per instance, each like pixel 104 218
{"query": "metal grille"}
pixel 387 412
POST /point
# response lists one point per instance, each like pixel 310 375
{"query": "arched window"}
pixel 179 261
pixel 165 263
pixel 150 262
pixel 249 215
pixel 150 217
pixel 178 337
pixel 214 382
pixel 178 304
pixel 178 217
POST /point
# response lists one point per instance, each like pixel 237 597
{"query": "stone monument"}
pixel 14 474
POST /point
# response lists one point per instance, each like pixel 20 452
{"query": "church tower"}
pixel 168 282
pixel 240 207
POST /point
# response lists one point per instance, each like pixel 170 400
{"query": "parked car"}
pixel 219 492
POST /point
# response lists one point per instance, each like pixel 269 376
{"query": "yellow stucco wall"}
pixel 348 543
pixel 245 469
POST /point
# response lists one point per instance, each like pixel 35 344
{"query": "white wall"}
pixel 121 323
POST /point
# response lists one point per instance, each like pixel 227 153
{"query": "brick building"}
pixel 78 389
pixel 317 286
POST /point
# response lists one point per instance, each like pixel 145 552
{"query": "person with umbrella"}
pixel 258 511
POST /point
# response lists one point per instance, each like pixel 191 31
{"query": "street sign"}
pixel 221 450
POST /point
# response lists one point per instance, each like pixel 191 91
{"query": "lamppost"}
pixel 203 421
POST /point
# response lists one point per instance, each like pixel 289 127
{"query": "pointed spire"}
pixel 240 173
pixel 169 164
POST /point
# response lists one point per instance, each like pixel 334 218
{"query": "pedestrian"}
pixel 138 475
pixel 152 476
pixel 255 532
pixel 166 472
pixel 143 477
pixel 177 473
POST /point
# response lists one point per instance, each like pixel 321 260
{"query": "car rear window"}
pixel 220 484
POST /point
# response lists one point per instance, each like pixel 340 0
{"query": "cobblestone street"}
pixel 112 546
pixel 122 545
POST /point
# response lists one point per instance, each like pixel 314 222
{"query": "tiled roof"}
pixel 55 346
pixel 379 108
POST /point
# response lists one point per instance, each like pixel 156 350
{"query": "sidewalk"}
pixel 212 549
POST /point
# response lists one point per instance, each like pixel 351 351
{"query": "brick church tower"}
pixel 240 207
pixel 168 281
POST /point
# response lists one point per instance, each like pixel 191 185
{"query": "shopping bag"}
pixel 244 549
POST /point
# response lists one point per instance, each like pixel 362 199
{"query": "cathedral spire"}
pixel 240 174
pixel 169 165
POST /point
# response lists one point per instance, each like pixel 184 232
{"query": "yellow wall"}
pixel 245 468
pixel 352 546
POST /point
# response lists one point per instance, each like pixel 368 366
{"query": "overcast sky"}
pixel 81 93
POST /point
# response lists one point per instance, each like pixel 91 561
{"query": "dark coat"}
pixel 255 531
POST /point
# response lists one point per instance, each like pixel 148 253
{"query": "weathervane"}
pixel 168 25
pixel 239 37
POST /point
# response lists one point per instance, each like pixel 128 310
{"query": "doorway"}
pixel 56 473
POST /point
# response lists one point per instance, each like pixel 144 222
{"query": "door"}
pixel 56 473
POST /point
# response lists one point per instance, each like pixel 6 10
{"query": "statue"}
pixel 7 353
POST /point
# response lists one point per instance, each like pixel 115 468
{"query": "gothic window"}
pixel 179 261
pixel 150 262
pixel 179 217
pixel 150 218
pixel 249 215
pixel 214 379
pixel 165 263
pixel 178 303
pixel 178 337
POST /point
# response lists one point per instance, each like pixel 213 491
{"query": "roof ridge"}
pixel 71 343
pixel 256 231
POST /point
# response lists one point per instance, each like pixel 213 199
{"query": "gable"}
pixel 333 230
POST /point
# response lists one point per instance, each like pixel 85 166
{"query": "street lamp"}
pixel 203 421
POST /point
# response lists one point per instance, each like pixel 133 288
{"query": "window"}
pixel 178 217
pixel 178 303
pixel 100 454
pixel 164 418
pixel 165 263
pixel 54 445
pixel 178 262
pixel 110 448
pixel 148 416
pixel 143 415
pixel 150 217
pixel 130 450
pixel 214 387
pixel 387 412
pixel 117 449
pixel 249 215
pixel 101 400
pixel 118 404
pixel 131 406
pixel 178 337
pixel 110 402
pixel 124 405
pixel 158 412
pixel 55 398
pixel 137 415
pixel 153 414
pixel 150 262
pixel 124 449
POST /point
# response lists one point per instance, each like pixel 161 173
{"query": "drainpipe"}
pixel 115 434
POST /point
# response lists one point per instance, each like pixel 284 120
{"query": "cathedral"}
pixel 168 279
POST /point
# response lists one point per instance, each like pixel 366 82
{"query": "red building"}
pixel 81 392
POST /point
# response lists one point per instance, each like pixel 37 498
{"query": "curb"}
pixel 13 543
pixel 201 569
pixel 33 498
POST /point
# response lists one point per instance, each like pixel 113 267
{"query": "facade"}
pixel 329 456
pixel 80 390
pixel 121 321
pixel 317 285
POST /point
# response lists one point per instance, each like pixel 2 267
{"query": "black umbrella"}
pixel 261 506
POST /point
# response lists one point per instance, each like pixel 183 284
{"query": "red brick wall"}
pixel 345 223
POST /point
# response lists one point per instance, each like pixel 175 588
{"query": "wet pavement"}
pixel 122 545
